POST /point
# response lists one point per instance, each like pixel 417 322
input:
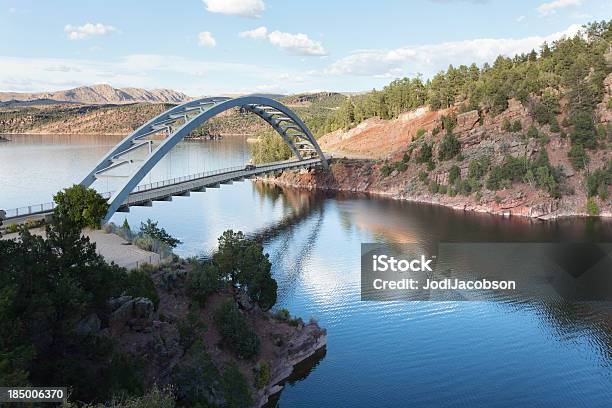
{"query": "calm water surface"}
pixel 501 353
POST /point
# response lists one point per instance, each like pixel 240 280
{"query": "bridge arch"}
pixel 181 120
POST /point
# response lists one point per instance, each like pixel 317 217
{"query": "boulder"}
pixel 466 121
pixel 134 313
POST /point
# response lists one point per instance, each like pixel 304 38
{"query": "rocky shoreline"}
pixel 358 176
pixel 156 335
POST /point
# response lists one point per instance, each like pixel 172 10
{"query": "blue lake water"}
pixel 499 353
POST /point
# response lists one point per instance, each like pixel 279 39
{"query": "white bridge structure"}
pixel 173 126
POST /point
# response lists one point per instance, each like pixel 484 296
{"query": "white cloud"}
pixel 546 9
pixel 189 75
pixel 242 8
pixel 88 30
pixel 298 44
pixel 431 58
pixel 259 33
pixel 520 19
pixel 205 39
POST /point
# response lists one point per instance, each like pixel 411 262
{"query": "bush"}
pixel 584 132
pixel 386 169
pixel 494 181
pixel 578 157
pixel 425 154
pixel 433 187
pixel 235 388
pixel 203 281
pixel 151 229
pixel 196 377
pixel 139 284
pixel 442 189
pixel 506 126
pixel 423 176
pixel 454 174
pixel 262 375
pixel 401 166
pixel 479 167
pixel 449 147
pixel 532 132
pixel 419 133
pixel 431 165
pixel 84 207
pixel 596 180
pixel 235 330
pixel 155 398
pixel 554 126
pixel 591 207
pixel 516 126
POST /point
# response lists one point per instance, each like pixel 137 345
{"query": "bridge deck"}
pixel 145 194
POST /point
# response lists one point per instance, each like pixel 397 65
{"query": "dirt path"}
pixel 112 247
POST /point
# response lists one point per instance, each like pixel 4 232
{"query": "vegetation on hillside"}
pixel 571 67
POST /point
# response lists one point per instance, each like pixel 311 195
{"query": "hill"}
pixel 101 94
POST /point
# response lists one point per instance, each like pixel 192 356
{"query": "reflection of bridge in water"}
pixel 173 126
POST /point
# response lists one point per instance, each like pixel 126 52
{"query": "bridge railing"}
pixel 182 179
pixel 48 207
pixel 37 208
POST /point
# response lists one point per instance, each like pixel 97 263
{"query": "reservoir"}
pixel 379 354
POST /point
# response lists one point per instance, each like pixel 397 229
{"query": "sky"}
pixel 207 47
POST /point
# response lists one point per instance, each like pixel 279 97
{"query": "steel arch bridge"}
pixel 178 122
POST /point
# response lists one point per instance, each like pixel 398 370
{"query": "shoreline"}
pixel 466 206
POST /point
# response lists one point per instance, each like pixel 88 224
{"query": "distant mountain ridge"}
pixel 101 94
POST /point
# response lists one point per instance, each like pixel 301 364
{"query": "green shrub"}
pixel 454 174
pixel 262 375
pixel 283 315
pixel 425 154
pixel 532 133
pixel 401 166
pixel 386 169
pixel 554 126
pixel 465 187
pixel 151 229
pixel 431 165
pixel 565 122
pixel 235 388
pixel 433 187
pixel 140 284
pixel 578 157
pixel 591 207
pixel 423 175
pixel 584 132
pixel 479 167
pixel 196 377
pixel 85 207
pixel 203 281
pixel 516 126
pixel 506 126
pixel 449 147
pixel 419 133
pixel 234 329
pixel 496 176
pixel 442 189
pixel 596 180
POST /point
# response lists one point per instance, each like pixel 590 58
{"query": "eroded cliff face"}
pixel 363 176
pixel 359 151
